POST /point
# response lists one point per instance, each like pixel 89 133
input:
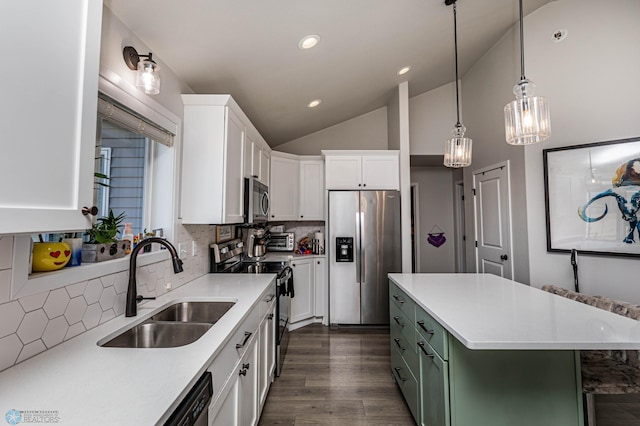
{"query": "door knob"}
pixel 504 257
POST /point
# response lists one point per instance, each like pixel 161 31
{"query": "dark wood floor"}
pixel 618 410
pixel 336 377
pixel 343 377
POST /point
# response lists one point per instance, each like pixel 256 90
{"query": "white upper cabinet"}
pixel 256 158
pixel 285 186
pixel 311 190
pixel 362 170
pixel 49 112
pixel 212 160
pixel 297 187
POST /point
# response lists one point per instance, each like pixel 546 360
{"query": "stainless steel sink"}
pixel 159 335
pixel 205 312
pixel 176 325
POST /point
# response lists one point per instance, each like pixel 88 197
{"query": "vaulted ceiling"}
pixel 249 49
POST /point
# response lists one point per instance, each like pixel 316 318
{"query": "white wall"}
pixel 435 211
pixel 368 131
pixel 393 120
pixel 432 116
pixel 591 80
pixel 488 87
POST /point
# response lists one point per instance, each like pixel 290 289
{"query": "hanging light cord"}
pixel 522 77
pixel 455 44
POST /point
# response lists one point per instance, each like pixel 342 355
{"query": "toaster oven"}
pixel 281 241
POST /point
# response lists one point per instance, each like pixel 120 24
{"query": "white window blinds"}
pixel 111 111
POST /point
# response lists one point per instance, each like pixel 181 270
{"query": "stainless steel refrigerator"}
pixel 364 246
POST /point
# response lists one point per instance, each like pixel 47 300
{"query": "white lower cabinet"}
pixel 309 281
pixel 243 369
pixel 267 355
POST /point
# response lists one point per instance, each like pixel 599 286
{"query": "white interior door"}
pixel 492 214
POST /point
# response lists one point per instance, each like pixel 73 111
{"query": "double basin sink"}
pixel 176 325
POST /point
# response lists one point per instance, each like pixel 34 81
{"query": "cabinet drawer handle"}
pixel 399 345
pixel 421 344
pixel 404 379
pixel 247 336
pixel 397 320
pixel 270 298
pixel 395 296
pixel 421 324
pixel 243 372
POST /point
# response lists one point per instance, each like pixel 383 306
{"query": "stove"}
pixel 227 258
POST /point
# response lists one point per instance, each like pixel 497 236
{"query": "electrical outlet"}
pixel 182 251
pixel 194 248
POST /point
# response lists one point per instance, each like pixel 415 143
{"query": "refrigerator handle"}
pixel 357 246
pixel 361 246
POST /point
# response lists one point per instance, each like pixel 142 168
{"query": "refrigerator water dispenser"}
pixel 344 249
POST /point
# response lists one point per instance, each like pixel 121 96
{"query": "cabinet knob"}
pixel 273 215
pixel 90 211
pixel 318 262
pixel 301 216
pixel 364 184
pixel 246 366
pixel 243 372
pixel 359 184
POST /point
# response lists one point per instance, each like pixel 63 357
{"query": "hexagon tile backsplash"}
pixel 32 324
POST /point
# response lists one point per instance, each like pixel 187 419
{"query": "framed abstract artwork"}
pixel 592 198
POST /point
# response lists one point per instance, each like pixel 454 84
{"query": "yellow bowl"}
pixel 50 256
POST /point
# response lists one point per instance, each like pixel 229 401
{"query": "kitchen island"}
pixel 84 384
pixel 477 349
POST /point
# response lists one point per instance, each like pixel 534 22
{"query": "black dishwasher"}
pixel 194 408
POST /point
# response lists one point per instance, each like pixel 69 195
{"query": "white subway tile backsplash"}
pixel 31 349
pixel 6 251
pixel 11 315
pixel 55 332
pixel 11 347
pixel 92 316
pixel 56 303
pixel 75 310
pixel 33 302
pixel 32 326
pixel 93 291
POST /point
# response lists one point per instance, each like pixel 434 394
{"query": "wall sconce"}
pixel 148 71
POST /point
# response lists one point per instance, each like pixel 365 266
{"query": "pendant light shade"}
pixel 457 150
pixel 527 119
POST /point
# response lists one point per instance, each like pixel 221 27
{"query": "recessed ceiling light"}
pixel 404 70
pixel 314 103
pixel 309 41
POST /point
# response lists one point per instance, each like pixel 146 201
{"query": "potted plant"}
pixel 103 241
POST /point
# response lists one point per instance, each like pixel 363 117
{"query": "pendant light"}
pixel 457 151
pixel 526 120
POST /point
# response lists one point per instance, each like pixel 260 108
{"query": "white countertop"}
pixel 285 256
pixel 484 311
pixel 91 385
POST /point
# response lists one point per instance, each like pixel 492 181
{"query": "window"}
pixel 136 152
pixel 125 154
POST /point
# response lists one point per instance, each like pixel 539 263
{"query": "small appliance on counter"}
pixel 281 241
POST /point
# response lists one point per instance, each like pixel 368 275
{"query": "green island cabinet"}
pixel 446 384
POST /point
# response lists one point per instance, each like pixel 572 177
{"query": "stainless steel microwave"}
pixel 256 201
